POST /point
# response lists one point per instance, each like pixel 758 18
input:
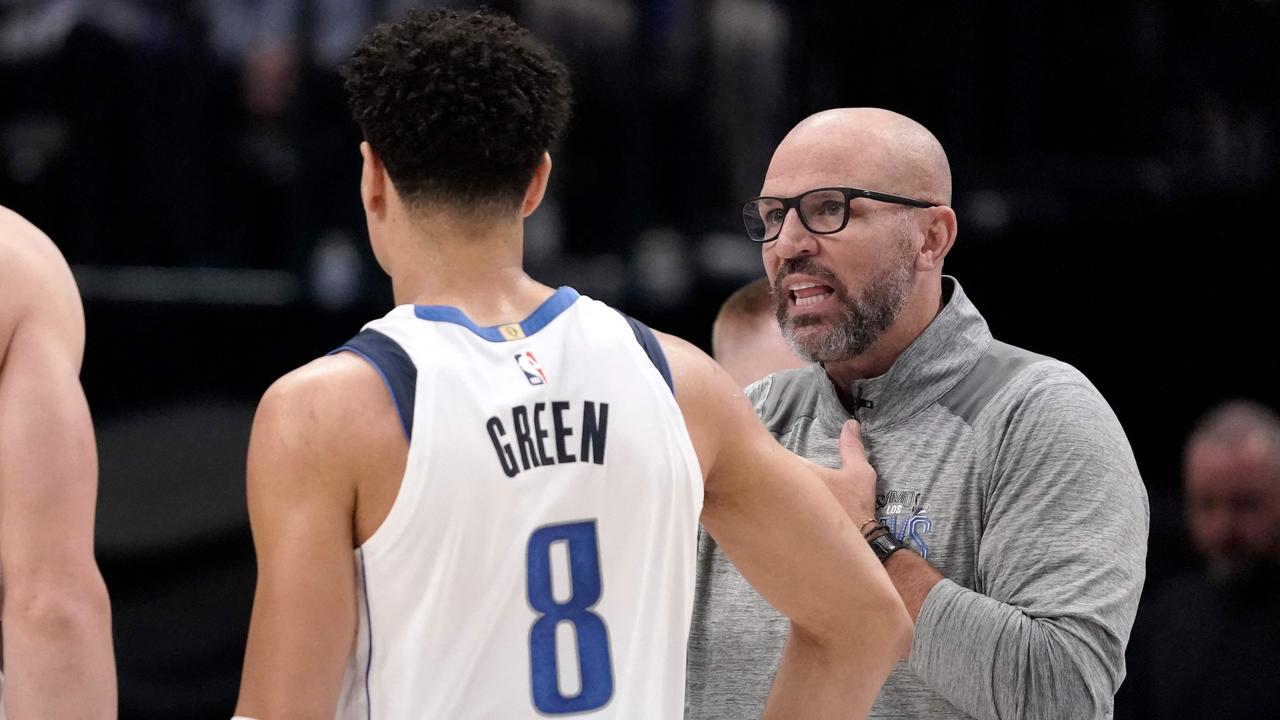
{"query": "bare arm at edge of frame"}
pixel 58 657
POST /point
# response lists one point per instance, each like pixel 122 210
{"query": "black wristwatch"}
pixel 884 544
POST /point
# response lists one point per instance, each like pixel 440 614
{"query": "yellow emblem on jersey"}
pixel 511 331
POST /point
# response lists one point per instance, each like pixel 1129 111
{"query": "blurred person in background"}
pixel 292 90
pixel 1207 643
pixel 1007 508
pixel 58 661
pixel 746 339
pixel 115 102
pixel 1231 473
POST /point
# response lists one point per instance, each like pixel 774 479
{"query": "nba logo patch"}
pixel 531 368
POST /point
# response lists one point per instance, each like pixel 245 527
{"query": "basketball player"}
pixel 745 338
pixel 58 660
pixel 519 470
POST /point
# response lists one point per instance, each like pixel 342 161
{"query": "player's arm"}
pixel 312 436
pixel 58 657
pixel 779 524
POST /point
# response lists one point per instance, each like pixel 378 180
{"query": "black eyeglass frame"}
pixel 849 195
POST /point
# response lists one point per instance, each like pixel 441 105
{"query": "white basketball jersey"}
pixel 538 560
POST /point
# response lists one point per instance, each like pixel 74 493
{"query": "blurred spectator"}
pixel 300 130
pixel 112 93
pixel 746 339
pixel 1232 474
pixel 677 103
pixel 746 111
pixel 291 87
pixel 1208 644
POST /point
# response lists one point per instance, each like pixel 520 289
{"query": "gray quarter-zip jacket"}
pixel 1006 470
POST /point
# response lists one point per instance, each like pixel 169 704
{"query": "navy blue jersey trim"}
pixel 549 310
pixel 652 348
pixel 398 372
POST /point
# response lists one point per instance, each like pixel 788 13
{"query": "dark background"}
pixel 1117 174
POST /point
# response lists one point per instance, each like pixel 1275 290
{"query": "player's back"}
pixel 539 557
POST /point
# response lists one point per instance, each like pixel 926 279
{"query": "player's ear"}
pixel 537 188
pixel 373 182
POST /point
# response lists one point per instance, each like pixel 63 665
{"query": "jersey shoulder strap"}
pixel 649 343
pixel 394 365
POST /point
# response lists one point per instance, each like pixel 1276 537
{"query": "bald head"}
pixel 874 149
pixel 870 273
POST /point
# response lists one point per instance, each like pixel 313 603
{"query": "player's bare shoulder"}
pixel 327 432
pixel 332 404
pixel 713 405
pixel 694 372
pixel 35 283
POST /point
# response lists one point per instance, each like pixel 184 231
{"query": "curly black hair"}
pixel 459 106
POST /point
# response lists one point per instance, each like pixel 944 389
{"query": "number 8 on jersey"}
pixel 594 665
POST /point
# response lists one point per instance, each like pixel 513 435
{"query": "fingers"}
pixel 851 449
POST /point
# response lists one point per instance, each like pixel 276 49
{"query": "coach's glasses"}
pixel 822 211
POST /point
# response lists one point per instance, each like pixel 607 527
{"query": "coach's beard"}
pixel 861 321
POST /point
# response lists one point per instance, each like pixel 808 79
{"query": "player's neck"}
pixel 478 271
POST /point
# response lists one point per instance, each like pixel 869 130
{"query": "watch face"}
pixel 884 546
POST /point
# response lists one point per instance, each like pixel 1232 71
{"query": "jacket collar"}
pixel 930 366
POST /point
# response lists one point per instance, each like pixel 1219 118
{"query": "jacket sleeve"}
pixel 1060 565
